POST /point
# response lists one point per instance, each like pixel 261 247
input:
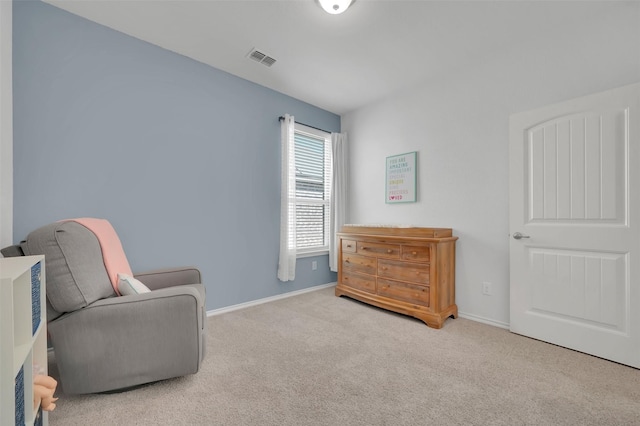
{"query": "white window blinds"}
pixel 313 191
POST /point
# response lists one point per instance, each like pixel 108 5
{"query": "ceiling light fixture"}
pixel 335 7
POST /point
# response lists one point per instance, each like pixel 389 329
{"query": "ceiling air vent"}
pixel 261 57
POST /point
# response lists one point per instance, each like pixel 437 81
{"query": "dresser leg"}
pixel 437 320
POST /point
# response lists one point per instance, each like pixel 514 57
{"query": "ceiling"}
pixel 341 62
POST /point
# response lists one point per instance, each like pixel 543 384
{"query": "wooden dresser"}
pixel 406 270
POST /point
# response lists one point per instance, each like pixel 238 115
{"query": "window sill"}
pixel 312 253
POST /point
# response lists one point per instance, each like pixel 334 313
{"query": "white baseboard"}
pixel 484 320
pixel 322 286
pixel 267 299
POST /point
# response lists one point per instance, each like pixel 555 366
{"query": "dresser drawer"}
pixel 405 271
pixel 415 253
pixel 348 246
pixel 391 251
pixel 407 292
pixel 356 263
pixel 361 282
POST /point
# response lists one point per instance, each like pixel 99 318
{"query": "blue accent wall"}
pixel 182 158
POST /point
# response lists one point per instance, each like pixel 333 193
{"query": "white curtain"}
pixel 338 194
pixel 287 262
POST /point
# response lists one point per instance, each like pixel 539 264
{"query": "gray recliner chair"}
pixel 105 342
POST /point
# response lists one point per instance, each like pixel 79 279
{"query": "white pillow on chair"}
pixel 128 285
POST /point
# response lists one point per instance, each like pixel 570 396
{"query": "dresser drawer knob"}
pixel 347 261
pixel 389 250
pixel 348 245
pixel 415 253
pixel 364 248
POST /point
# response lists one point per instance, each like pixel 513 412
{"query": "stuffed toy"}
pixel 43 389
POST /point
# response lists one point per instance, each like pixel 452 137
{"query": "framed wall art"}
pixel 401 178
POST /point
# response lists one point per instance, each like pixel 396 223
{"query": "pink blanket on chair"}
pixel 113 255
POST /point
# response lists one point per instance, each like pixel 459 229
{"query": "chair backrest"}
pixel 112 252
pixel 76 273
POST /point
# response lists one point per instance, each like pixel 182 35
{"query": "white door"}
pixel 574 187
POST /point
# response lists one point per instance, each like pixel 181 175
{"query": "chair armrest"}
pixel 169 277
pixel 12 251
pixel 123 341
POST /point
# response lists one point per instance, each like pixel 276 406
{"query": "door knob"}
pixel 519 236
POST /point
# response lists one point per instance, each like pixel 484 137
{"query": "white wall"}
pixel 458 123
pixel 6 126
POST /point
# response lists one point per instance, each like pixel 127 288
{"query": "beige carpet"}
pixel 315 359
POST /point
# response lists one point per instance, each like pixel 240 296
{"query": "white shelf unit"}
pixel 23 338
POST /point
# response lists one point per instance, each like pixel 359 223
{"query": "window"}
pixel 313 189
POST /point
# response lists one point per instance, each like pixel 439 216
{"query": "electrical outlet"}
pixel 314 265
pixel 486 288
